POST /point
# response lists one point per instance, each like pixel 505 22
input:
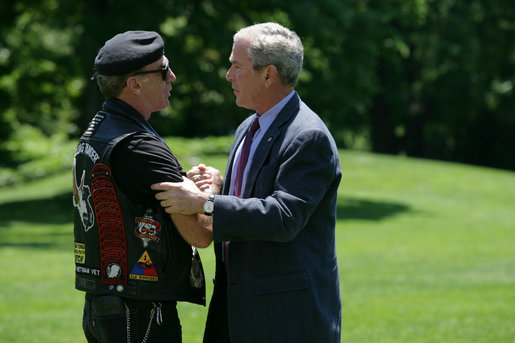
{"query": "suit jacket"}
pixel 280 283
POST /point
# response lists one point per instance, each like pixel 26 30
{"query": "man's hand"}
pixel 181 197
pixel 206 178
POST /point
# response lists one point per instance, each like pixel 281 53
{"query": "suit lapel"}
pixel 266 143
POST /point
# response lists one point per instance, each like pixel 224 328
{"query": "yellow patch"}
pixel 80 253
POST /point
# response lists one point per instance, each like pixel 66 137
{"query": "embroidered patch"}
pixel 147 228
pixel 87 149
pixel 80 253
pixel 111 229
pixel 87 270
pixel 82 201
pixel 99 117
pixel 144 269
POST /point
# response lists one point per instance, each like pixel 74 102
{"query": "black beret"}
pixel 129 51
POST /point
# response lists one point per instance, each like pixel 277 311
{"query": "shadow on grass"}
pixel 54 210
pixel 353 208
pixel 37 223
pixel 59 210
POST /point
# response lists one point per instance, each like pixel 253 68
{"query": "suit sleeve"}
pixel 307 167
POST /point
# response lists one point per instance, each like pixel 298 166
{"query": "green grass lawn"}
pixel 426 252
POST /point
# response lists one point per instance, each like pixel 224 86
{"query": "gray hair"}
pixel 273 44
pixel 111 86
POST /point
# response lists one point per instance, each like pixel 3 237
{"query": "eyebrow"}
pixel 234 62
pixel 232 59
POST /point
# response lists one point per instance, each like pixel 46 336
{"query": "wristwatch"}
pixel 209 205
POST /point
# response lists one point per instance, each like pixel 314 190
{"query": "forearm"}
pixel 181 197
pixel 195 229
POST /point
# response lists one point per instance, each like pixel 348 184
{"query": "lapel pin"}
pixel 269 139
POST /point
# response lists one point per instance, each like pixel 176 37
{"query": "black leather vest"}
pixel 122 247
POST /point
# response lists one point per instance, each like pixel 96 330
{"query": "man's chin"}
pixel 166 103
pixel 239 103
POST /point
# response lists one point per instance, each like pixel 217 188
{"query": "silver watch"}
pixel 209 205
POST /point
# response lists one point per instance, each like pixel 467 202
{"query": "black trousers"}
pixel 113 319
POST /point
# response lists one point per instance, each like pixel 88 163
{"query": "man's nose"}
pixel 171 75
pixel 228 75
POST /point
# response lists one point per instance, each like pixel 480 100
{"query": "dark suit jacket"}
pixel 282 281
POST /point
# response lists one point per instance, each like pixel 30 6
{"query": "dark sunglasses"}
pixel 164 72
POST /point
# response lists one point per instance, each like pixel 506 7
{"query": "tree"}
pixel 424 78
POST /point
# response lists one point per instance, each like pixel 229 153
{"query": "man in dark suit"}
pixel 274 224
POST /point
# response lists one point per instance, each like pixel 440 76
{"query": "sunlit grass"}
pixel 426 252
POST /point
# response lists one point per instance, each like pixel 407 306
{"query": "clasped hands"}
pixel 188 197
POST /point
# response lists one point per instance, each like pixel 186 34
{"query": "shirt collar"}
pixel 266 119
pixel 122 108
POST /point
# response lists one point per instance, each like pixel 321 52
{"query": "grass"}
pixel 426 252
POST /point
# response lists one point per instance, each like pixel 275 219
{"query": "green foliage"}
pixel 438 64
pixel 423 78
pixel 425 250
pixel 41 85
pixel 38 156
pixel 35 155
pixel 207 146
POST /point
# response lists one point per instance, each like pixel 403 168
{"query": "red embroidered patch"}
pixel 147 228
pixel 111 229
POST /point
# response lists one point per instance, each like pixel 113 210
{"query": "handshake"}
pixel 188 197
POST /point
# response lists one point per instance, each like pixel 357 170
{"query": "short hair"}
pixel 111 86
pixel 273 44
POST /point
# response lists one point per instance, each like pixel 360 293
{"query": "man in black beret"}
pixel 133 260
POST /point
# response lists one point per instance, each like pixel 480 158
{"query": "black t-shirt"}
pixel 141 160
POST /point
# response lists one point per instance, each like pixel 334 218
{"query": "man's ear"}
pixel 271 74
pixel 133 85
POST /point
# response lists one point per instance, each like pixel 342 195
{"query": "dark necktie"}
pixel 244 156
pixel 240 169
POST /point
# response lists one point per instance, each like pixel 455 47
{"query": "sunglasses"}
pixel 163 71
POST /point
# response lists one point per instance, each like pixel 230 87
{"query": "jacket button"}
pixel 119 288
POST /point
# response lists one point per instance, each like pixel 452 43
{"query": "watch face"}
pixel 209 206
